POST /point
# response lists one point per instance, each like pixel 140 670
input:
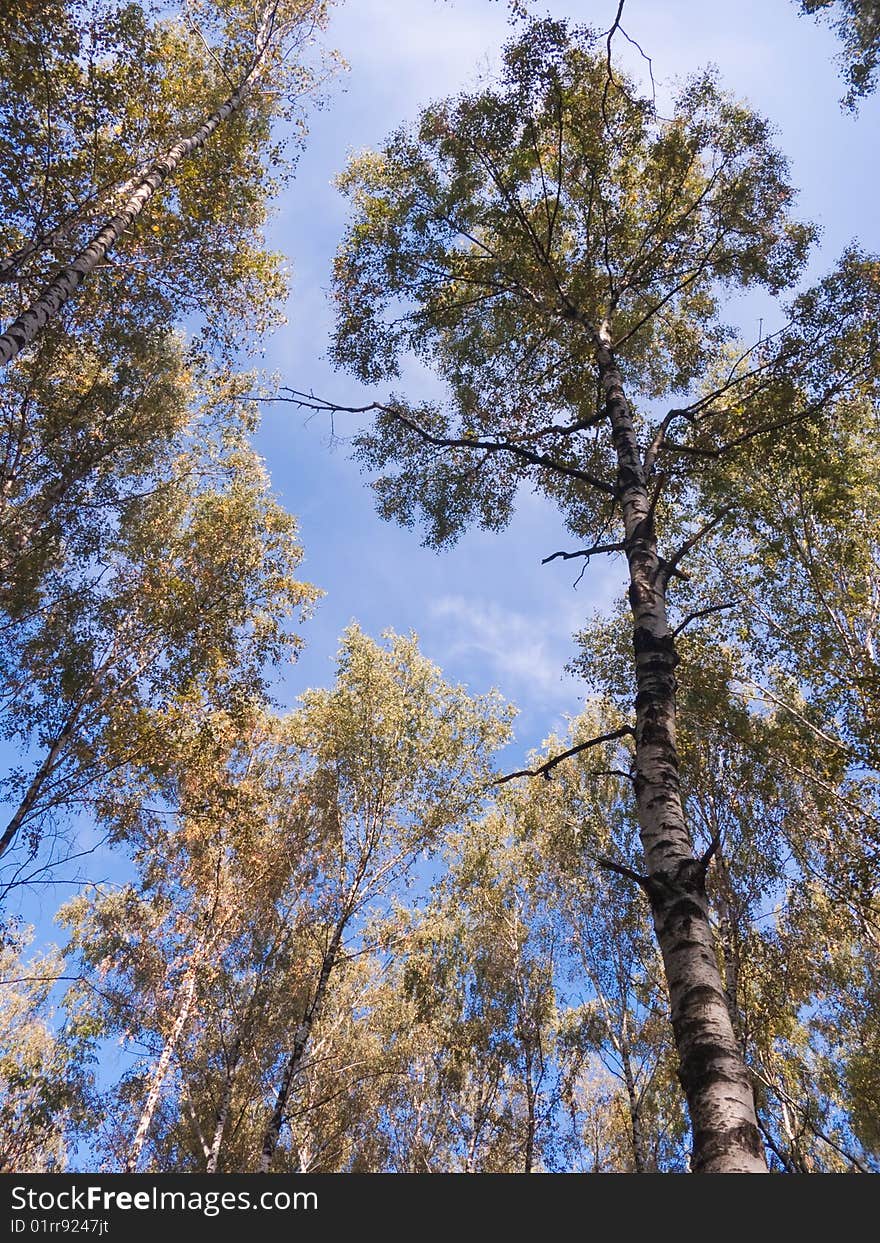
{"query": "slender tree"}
pixel 269 854
pixel 548 246
pixel 44 1065
pixel 189 86
pixel 184 606
pixel 392 756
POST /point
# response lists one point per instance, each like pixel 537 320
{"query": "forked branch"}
pixel 544 770
pixel 585 552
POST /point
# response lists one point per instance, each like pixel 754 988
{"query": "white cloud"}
pixel 520 653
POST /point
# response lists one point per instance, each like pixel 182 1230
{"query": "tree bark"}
pixel 531 1122
pixel 641 1149
pixel 300 1044
pixel 712 1071
pixel 186 994
pixel 25 329
pixel 222 1117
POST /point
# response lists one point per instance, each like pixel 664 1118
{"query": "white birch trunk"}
pixel 298 1051
pixel 712 1071
pixel 186 994
pixel 25 329
pixel 213 1156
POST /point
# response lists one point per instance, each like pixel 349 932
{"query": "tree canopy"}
pixel 372 920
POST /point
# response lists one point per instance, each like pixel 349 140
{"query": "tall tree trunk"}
pixel 712 1071
pixel 186 995
pixel 531 1121
pixel 297 1053
pixel 25 329
pixel 220 1123
pixel 641 1150
pixel 35 788
pixel 223 1111
pixel 728 924
pixel 99 200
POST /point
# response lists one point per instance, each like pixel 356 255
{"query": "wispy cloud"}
pixel 518 653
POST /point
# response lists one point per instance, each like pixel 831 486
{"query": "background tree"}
pixel 201 74
pixel 857 24
pixel 181 608
pixel 477 981
pixel 98 414
pixel 268 858
pixel 392 757
pixel 45 1076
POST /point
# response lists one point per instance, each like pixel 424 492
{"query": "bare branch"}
pixel 709 852
pixel 308 401
pixel 584 552
pixel 647 522
pixel 813 408
pixel 659 439
pixel 544 770
pixel 672 571
pixel 610 79
pixel 611 866
pixel 712 608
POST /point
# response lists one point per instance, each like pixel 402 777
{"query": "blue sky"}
pixel 487 611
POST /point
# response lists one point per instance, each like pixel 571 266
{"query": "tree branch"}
pixel 712 608
pixel 709 852
pixel 584 552
pixel 611 866
pixel 544 770
pixel 814 408
pixel 669 564
pixel 308 401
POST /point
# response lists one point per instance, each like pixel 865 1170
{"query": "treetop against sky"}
pixel 588 307
pixel 462 601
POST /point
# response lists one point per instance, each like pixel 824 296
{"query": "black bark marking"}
pixel 713 1148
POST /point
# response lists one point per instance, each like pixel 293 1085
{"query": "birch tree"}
pixel 182 608
pixel 45 1078
pixel 556 253
pixel 391 758
pixel 163 947
pixel 474 1030
pixel 224 70
pixel 795 828
pixel 269 852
